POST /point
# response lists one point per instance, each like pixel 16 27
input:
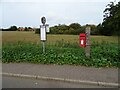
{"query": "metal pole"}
pixel 44 41
pixel 43 20
pixel 43 46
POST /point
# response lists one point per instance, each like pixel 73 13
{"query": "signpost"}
pixel 43 29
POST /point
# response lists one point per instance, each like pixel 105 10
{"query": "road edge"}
pixel 62 79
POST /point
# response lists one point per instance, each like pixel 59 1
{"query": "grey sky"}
pixel 28 12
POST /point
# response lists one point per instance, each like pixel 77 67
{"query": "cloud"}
pixel 25 14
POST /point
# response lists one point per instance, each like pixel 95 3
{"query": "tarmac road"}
pixel 17 82
pixel 108 75
pixel 23 75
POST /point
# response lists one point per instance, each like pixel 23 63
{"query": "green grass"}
pixel 60 49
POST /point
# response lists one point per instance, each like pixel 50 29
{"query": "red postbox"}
pixel 82 39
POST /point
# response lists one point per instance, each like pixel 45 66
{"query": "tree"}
pixel 54 30
pixel 37 31
pixel 111 21
pixel 75 26
pixel 94 30
pixel 63 28
pixel 71 31
pixel 13 28
pixel 26 29
pixel 100 29
pixel 29 28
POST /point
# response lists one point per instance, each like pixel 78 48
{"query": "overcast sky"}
pixel 28 12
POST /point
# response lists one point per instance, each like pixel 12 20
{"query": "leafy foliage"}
pixel 73 28
pixel 102 55
pixel 111 21
pixel 12 28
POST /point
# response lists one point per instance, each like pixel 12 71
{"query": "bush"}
pixel 37 31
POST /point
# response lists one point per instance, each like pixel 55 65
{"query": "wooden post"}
pixel 87 48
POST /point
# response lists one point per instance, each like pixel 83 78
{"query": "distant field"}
pixel 15 36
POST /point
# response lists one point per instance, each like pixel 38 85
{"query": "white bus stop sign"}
pixel 42 33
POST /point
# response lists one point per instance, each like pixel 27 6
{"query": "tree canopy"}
pixel 13 28
pixel 111 21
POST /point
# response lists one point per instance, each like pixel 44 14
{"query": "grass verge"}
pixel 102 54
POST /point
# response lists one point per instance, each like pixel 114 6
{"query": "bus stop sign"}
pixel 43 20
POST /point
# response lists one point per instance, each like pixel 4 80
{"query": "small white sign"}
pixel 42 32
pixel 82 42
pixel 47 28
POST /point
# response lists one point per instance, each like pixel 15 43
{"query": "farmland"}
pixel 60 49
pixel 15 36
